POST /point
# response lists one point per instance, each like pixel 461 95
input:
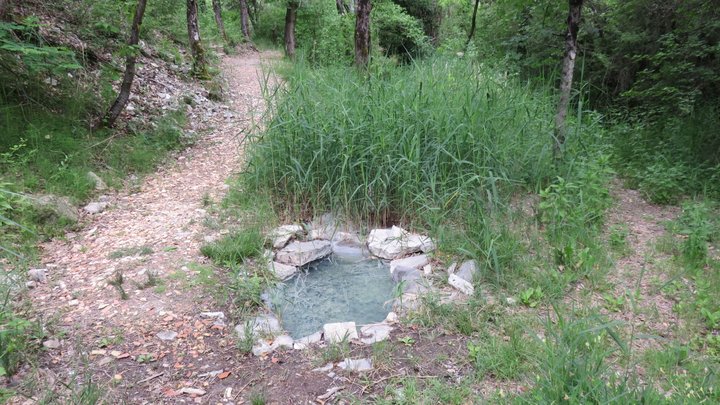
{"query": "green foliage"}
pixel 502 358
pixel 696 225
pixel 581 202
pixel 576 368
pixel 532 296
pixel 235 248
pixel 398 32
pixel 428 138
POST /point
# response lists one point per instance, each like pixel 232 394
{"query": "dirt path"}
pixel 159 230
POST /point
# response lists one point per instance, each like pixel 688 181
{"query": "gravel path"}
pixel 159 229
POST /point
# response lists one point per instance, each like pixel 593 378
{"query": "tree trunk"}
pixel 568 68
pixel 362 33
pixel 217 9
pixel 290 16
pixel 253 12
pixel 472 26
pixel 245 20
pixel 129 75
pixel 196 49
pixel 342 8
pixel 3 8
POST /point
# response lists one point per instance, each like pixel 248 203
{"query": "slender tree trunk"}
pixel 196 49
pixel 568 68
pixel 245 20
pixel 3 8
pixel 129 75
pixel 217 9
pixel 342 8
pixel 362 33
pixel 253 12
pixel 290 16
pixel 472 26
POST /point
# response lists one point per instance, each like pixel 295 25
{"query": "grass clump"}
pixel 235 248
pixel 422 139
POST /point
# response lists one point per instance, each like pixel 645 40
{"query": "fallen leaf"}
pixel 224 375
pixel 275 360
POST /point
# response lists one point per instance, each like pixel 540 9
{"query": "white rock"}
pixel 282 235
pixel 261 347
pixel 467 270
pixel 282 271
pixel 461 284
pixel 392 317
pixel 396 242
pixel 452 268
pixel 261 325
pixel 304 342
pixel 51 344
pixel 356 365
pixel 376 332
pixel 166 335
pixel 427 269
pixel 192 391
pixel 413 262
pixel 38 275
pixel 283 341
pixel 346 239
pixel 301 253
pixel 337 332
pixel 216 315
pixel 97 181
pixel 95 207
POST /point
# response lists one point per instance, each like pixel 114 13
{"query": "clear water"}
pixel 338 289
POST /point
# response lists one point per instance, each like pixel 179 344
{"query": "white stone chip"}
pixel 337 332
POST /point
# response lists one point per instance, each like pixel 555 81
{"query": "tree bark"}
pixel 362 33
pixel 196 49
pixel 342 8
pixel 217 9
pixel 245 20
pixel 129 75
pixel 472 26
pixel 3 8
pixel 568 68
pixel 290 16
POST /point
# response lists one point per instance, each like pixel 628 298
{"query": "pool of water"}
pixel 337 289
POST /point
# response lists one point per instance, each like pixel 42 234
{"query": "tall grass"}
pixel 402 143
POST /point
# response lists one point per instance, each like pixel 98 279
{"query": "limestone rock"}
pixel 392 317
pixel 60 206
pixel 304 342
pixel 261 325
pixel 337 332
pixel 452 268
pixel 283 341
pixel 282 235
pixel 51 344
pixel 405 274
pixel 461 284
pixel 301 253
pixel 38 275
pixel 282 271
pixel 413 262
pixel 95 207
pixel 261 347
pixel 356 365
pixel 97 181
pixel 396 242
pixel 167 335
pixel 376 332
pixel 467 270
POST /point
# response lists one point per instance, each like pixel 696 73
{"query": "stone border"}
pixel 407 257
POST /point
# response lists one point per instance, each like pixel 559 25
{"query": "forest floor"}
pixel 148 245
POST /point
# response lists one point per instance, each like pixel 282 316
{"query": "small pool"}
pixel 341 288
